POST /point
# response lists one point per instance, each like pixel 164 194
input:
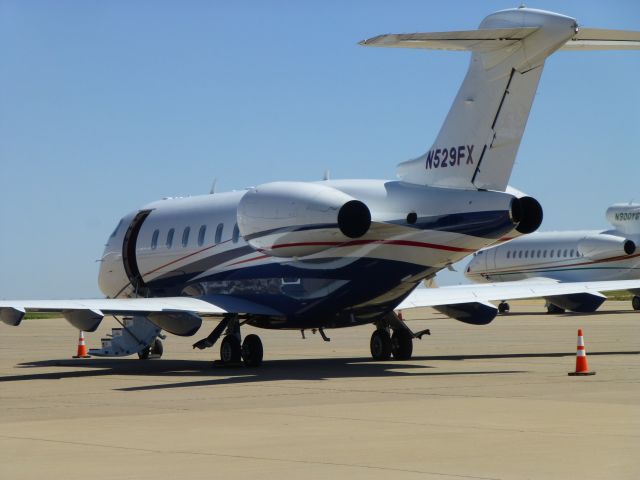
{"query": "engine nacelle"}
pixel 288 219
pixel 596 247
pixel 530 212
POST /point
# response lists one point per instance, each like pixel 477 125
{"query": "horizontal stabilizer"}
pixel 601 39
pixel 487 40
pixel 482 40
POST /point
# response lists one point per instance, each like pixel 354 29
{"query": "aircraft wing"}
pixel 470 303
pixel 87 314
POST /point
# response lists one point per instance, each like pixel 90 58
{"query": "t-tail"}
pixel 478 142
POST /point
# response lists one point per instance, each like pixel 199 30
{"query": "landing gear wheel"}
pixel 380 345
pixel 401 345
pixel 230 350
pixel 503 307
pixel 252 351
pixel 551 308
pixel 154 350
pixel 157 349
pixel 635 302
pixel 144 353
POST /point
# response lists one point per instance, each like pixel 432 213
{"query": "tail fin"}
pixel 478 142
pixel 625 217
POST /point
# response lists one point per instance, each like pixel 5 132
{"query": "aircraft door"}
pixel 129 252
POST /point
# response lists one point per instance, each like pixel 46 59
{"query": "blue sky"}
pixel 105 106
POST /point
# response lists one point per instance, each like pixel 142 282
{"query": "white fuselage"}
pixel 571 256
pixel 305 267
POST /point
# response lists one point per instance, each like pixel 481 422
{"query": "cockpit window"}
pixel 115 231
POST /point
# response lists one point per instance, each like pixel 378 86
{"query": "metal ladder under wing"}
pixel 136 334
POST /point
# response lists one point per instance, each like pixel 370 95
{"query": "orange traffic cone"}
pixel 581 358
pixel 82 347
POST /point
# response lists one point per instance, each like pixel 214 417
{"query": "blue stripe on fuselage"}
pixel 307 305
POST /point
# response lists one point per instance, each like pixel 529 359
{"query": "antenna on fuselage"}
pixel 213 186
pixel 327 175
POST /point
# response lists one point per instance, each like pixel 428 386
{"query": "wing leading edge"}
pixel 179 315
pixel 470 303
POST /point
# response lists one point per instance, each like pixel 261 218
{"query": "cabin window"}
pixel 185 236
pixel 538 253
pixel 170 237
pixel 520 254
pixel 201 233
pixel 551 252
pixel 564 254
pixel 571 253
pixel 526 254
pixel 219 230
pixel 236 234
pixel 154 239
pixel 508 254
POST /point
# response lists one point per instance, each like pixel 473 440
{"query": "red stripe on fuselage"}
pixel 353 243
pixel 406 243
pixel 182 258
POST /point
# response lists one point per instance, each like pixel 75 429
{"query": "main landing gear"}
pixel 551 308
pixel 154 350
pixel 635 302
pixel 503 307
pixel 383 344
pixel 232 350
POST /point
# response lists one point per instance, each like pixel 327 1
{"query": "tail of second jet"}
pixel 478 142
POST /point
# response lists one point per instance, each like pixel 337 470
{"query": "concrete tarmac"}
pixel 490 402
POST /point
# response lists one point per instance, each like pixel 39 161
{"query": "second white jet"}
pixel 569 256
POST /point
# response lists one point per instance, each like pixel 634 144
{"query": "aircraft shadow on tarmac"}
pixel 566 314
pixel 274 370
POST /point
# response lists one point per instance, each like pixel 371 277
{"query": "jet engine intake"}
pixel 293 219
pixel 597 247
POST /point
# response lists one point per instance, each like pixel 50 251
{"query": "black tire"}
pixel 551 308
pixel 503 307
pixel 252 351
pixel 230 350
pixel 157 349
pixel 380 345
pixel 401 345
pixel 144 353
pixel 635 302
